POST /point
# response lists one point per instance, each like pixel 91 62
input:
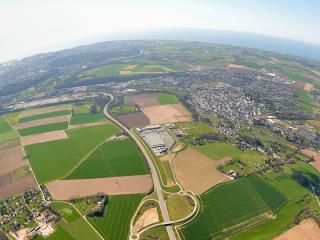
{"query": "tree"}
pixel 93 109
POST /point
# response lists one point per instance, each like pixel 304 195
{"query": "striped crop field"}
pixel 113 158
pixel 116 219
pixel 232 207
pixel 54 160
pixel 44 115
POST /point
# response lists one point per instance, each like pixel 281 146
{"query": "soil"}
pixel 40 122
pixel 44 137
pixel 132 120
pixel 147 218
pixel 307 230
pixel 169 113
pixel 11 159
pixel 16 187
pixel 142 100
pixel 73 189
pixel 197 172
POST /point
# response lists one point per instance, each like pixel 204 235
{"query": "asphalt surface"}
pixel 154 175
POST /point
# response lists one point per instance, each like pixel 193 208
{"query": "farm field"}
pixel 307 229
pixel 113 158
pixel 6 132
pixel 232 206
pixel 86 118
pixel 44 115
pixel 299 197
pixel 196 172
pixel 43 128
pixel 72 227
pixel 11 159
pixel 135 119
pixel 219 150
pixel 44 137
pixel 81 109
pixel 116 219
pixel 53 160
pixel 195 129
pixel 41 122
pixel 124 109
pixel 174 113
pixel 81 188
pixel 166 98
pixel 142 100
pixel 43 110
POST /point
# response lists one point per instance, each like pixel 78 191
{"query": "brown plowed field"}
pixel 16 187
pixel 37 111
pixel 12 159
pixel 142 100
pixel 169 113
pixel 5 179
pixel 40 122
pixel 307 230
pixel 79 188
pixel 239 67
pixel 135 119
pixel 197 172
pixel 44 137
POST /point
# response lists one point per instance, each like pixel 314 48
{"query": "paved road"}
pixel 154 175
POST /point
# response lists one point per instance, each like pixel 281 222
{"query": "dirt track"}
pixel 16 187
pixel 40 122
pixel 170 113
pixel 72 189
pixel 44 137
pixel 306 230
pixel 12 159
pixel 131 120
pixel 196 172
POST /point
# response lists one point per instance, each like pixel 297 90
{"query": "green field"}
pixel 166 98
pixel 195 129
pixel 155 233
pixel 6 132
pixel 230 207
pixel 116 219
pixel 113 158
pixel 112 69
pixel 81 109
pixel 179 206
pixel 299 197
pixel 43 128
pixel 218 150
pixel 44 115
pixel 4 126
pixel 53 160
pixel 72 227
pixel 124 109
pixel 86 118
pixel 305 100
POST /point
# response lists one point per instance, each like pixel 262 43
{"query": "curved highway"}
pixel 154 175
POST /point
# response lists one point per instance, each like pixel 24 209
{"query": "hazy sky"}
pixel 32 26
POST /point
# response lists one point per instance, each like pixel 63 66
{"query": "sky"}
pixel 33 26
